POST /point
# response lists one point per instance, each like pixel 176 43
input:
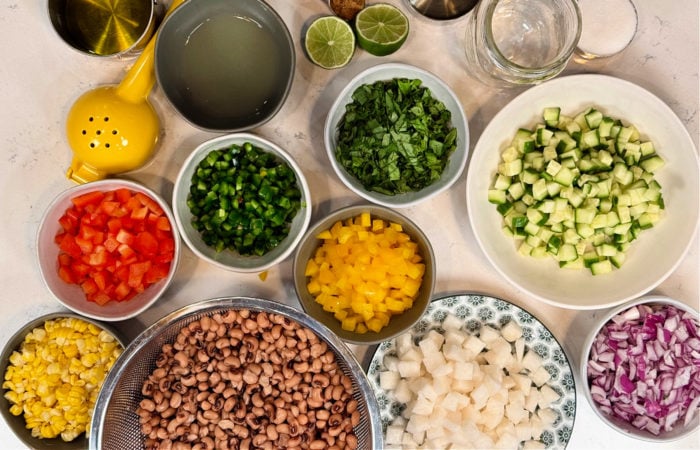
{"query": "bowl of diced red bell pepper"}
pixel 108 249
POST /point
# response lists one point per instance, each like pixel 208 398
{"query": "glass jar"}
pixel 520 42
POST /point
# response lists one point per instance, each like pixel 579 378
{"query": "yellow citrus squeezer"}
pixel 114 129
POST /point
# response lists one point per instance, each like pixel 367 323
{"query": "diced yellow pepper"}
pixel 349 323
pixel 365 271
pixel 324 235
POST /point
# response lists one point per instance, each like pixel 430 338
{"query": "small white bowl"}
pixel 72 296
pixel 440 91
pixel 229 259
pixel 618 424
pixel 652 257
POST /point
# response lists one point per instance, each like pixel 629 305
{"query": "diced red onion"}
pixel 644 367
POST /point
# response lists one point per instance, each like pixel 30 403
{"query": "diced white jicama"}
pixel 423 406
pixel 540 376
pixel 531 361
pixel 413 354
pixel 532 400
pixel 409 369
pixel 489 334
pixel 548 396
pixel 391 363
pixel 453 351
pixel 394 434
pixel 511 331
pixel 402 392
pixel 388 380
pixel 464 370
pixel 404 342
pixel 454 401
pixel 473 345
pixel 547 415
pixel 522 382
pixel 468 391
pixel 451 323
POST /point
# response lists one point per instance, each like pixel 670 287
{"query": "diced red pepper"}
pixel 114 244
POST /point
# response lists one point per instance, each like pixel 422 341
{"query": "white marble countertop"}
pixel 41 77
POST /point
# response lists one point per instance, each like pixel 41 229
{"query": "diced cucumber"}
pixel 593 118
pixel 497 196
pixel 579 189
pixel 551 115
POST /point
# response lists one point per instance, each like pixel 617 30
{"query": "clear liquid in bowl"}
pixel 232 67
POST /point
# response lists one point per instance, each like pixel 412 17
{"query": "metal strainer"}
pixel 115 424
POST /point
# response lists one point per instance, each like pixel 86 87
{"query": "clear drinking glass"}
pixel 519 42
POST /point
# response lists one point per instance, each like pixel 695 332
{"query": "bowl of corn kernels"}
pixel 53 369
pixel 366 272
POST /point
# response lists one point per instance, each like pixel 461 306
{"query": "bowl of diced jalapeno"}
pixel 241 202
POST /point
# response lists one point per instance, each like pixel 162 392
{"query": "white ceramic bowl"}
pixel 70 295
pixel 653 256
pixel 679 431
pixel 440 91
pixel 228 259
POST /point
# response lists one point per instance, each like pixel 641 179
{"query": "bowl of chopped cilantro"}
pixel 397 135
pixel 241 202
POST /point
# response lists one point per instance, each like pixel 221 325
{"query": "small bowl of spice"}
pixel 397 135
pixel 53 369
pixel 641 369
pixel 241 203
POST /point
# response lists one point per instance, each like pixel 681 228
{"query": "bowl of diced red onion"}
pixel 640 368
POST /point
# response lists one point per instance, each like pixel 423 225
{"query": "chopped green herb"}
pixel 395 137
pixel 243 198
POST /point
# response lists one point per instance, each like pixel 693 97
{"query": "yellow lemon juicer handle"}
pixel 114 129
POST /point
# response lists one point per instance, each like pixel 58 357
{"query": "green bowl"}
pixel 398 323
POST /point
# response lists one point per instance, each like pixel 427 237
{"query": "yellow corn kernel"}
pixel 263 275
pixel 48 382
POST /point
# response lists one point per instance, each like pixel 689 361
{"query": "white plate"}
pixel 476 311
pixel 653 256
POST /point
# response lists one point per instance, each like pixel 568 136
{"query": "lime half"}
pixel 330 42
pixel 381 29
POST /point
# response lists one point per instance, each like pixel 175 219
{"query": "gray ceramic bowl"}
pixel 398 323
pixel 17 423
pixel 225 65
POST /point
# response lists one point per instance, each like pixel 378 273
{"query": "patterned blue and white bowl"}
pixel 477 311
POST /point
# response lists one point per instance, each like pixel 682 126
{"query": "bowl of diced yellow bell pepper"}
pixel 367 272
pixel 53 368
